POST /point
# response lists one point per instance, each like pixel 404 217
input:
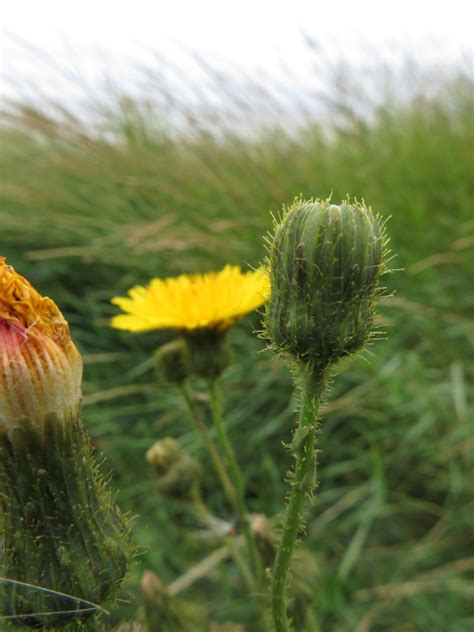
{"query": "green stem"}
pixel 206 438
pixel 302 485
pixel 234 488
pixel 229 456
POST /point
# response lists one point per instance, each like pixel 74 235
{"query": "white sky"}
pixel 44 40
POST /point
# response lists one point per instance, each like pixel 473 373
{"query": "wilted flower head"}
pixel 40 367
pixel 192 302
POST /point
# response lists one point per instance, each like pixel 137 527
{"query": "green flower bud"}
pixel 179 473
pixel 325 267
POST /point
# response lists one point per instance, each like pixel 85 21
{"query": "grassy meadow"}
pixel 88 210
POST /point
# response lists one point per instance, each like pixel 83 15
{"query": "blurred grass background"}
pixel 90 208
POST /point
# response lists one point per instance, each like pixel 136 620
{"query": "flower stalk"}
pixel 303 482
pixel 233 488
pixel 206 355
pixel 239 503
pixel 236 475
pixel 216 459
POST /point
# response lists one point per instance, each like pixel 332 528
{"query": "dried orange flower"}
pixel 40 367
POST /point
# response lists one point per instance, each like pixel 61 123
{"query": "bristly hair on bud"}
pixel 325 262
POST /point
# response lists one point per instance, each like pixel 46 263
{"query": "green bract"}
pixel 62 541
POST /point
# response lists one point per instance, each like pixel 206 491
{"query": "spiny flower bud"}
pixel 63 545
pixel 325 266
pixel 178 472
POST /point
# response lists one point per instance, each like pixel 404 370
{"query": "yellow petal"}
pixel 214 300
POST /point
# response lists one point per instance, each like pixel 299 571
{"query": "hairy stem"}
pixel 302 484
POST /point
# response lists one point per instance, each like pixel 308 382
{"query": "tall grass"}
pixel 89 209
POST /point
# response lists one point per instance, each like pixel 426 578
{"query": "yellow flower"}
pixel 212 301
pixel 40 367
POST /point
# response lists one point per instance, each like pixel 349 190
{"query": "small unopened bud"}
pixel 63 545
pixel 172 361
pixel 178 472
pixel 325 266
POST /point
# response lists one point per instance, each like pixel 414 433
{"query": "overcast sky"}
pixel 45 41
